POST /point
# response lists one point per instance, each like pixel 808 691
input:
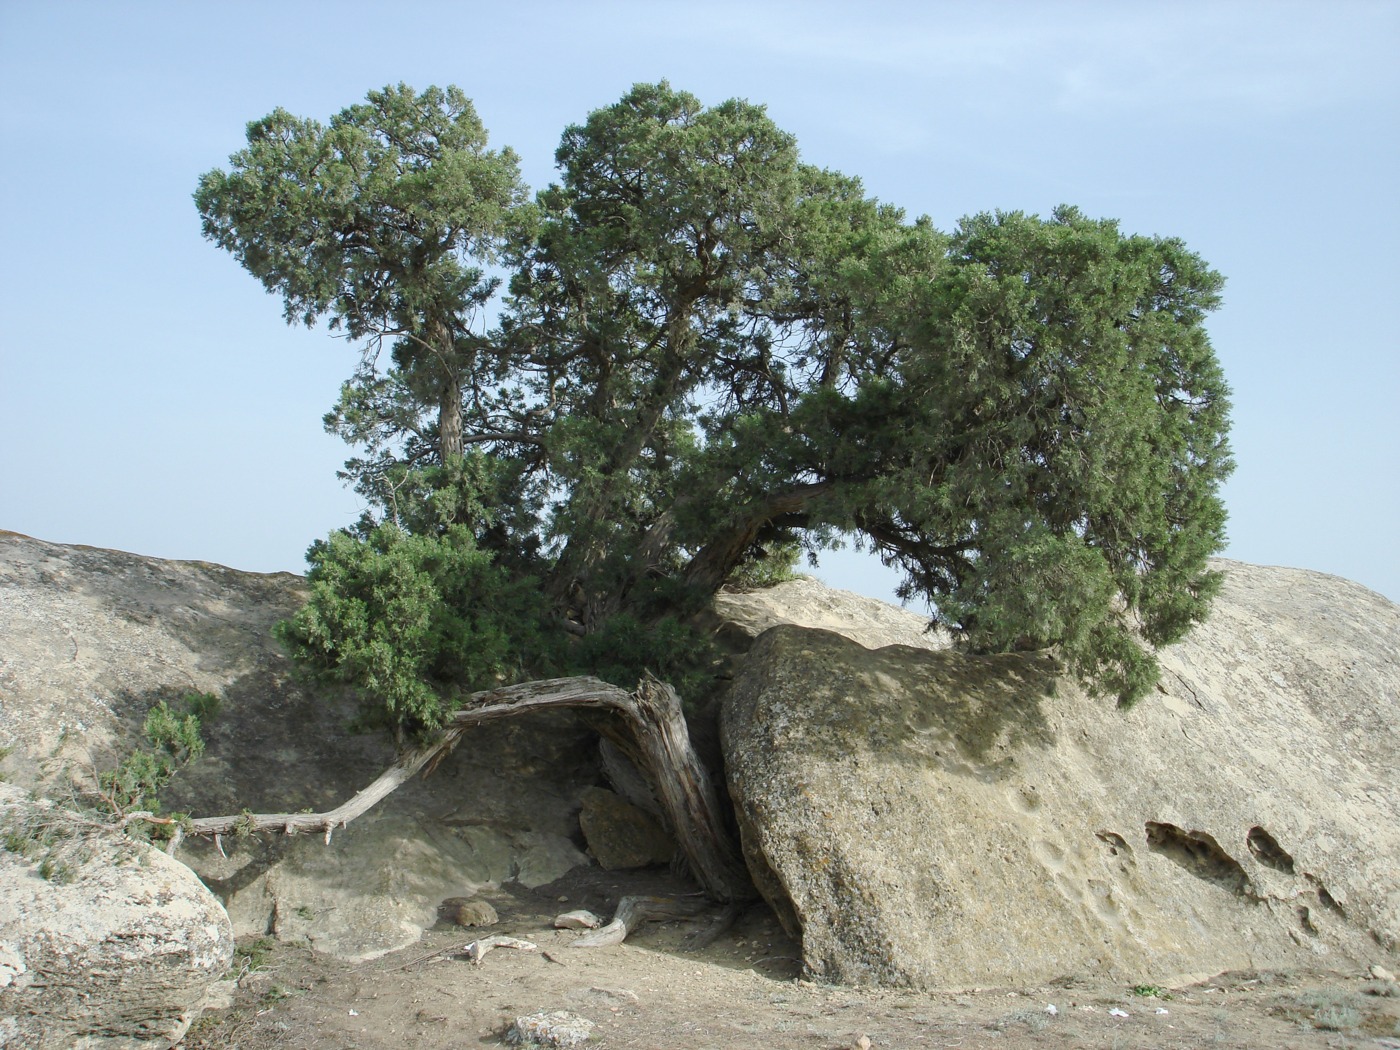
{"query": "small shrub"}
pixel 1151 991
pixel 56 869
pixel 245 825
pixel 55 845
pixel 1336 1018
pixel 1331 1011
pixel 174 738
pixel 251 956
pixel 769 566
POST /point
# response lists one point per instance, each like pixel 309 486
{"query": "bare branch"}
pixel 652 726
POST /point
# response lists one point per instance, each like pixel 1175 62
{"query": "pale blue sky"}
pixel 152 400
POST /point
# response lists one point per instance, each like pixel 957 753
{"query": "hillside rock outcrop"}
pixel 91 639
pixel 105 942
pixel 937 819
pixel 920 816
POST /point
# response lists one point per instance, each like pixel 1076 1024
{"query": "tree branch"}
pixel 717 559
pixel 652 718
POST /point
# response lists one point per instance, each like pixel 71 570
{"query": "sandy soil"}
pixel 742 991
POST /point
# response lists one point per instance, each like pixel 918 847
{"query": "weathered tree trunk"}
pixel 655 731
pixel 633 911
pixel 714 563
pixel 450 444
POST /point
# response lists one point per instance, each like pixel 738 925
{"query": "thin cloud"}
pixel 1184 61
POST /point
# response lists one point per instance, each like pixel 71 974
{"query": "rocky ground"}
pixel 743 991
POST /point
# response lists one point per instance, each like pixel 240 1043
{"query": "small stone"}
pixel 1051 1009
pixel 466 911
pixel 1115 1012
pixel 863 1043
pixel 1380 973
pixel 557 1028
pixel 577 920
pixel 1162 1011
pixel 620 835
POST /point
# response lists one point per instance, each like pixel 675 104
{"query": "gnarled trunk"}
pixel 450 445
pixel 651 726
pixel 714 563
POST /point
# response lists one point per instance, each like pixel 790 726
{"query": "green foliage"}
pixel 52 841
pixel 251 956
pixel 767 566
pixel 413 621
pixel 382 222
pixel 175 739
pixel 710 357
pixel 624 650
pixel 1151 991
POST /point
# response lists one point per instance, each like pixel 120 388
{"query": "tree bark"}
pixel 713 564
pixel 652 727
pixel 633 911
pixel 450 443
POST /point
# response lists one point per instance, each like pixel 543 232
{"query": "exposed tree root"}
pixel 633 911
pixel 473 950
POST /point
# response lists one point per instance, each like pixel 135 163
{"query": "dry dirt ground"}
pixel 742 991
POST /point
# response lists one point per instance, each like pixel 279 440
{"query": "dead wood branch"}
pixel 648 724
pixel 633 911
pixel 479 948
pixel 295 823
pixel 472 950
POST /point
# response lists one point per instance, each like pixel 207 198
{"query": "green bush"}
pixel 768 566
pixel 624 650
pixel 414 622
pixel 175 738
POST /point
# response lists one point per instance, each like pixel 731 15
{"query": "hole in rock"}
pixel 1198 853
pixel 1267 851
pixel 1324 899
pixel 1115 842
pixel 1328 901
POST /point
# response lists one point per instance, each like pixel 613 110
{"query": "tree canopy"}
pixel 695 351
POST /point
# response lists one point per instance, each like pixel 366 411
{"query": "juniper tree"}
pixel 707 349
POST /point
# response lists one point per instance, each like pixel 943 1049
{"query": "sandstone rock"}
pixel 810 603
pixel 937 819
pixel 581 919
pixel 94 638
pixel 105 943
pixel 620 835
pixel 558 1028
pixel 467 911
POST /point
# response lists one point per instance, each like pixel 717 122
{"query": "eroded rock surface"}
pixel 810 603
pixel 105 943
pixel 936 819
pixel 91 639
pixel 621 835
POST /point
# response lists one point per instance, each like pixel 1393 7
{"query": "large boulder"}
pixel 936 819
pixel 744 615
pixel 104 942
pixel 621 835
pixel 93 638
